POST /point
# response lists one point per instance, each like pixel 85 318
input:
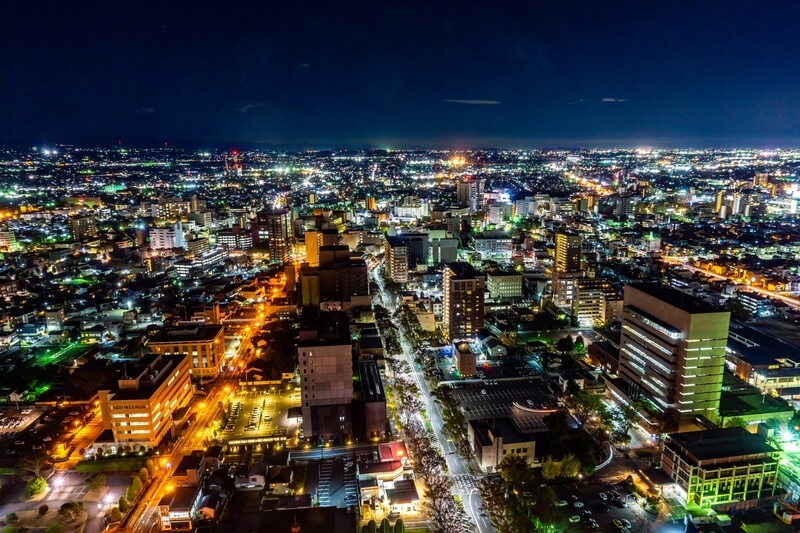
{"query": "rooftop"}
pixel 194 333
pixel 685 302
pixel 720 443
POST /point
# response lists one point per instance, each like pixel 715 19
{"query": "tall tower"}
pixel 462 299
pixel 568 253
pixel 672 349
pixel 273 229
pixel 470 193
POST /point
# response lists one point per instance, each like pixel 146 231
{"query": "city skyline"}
pixel 465 75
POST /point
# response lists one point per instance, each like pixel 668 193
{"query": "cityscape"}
pixel 472 340
pixel 358 267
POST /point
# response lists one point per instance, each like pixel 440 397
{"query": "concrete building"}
pixel 205 344
pixel 493 245
pixel 567 253
pixel 469 194
pixel 463 294
pixel 272 230
pixel 672 349
pixel 138 411
pixel 235 238
pixel 464 359
pixel 494 440
pixel 82 228
pixel 325 365
pixel 396 259
pixel 504 285
pixel 168 238
pixel 720 469
pixel 589 303
pixel 444 251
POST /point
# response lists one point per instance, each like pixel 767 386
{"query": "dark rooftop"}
pixel 721 443
pixel 199 333
pixel 681 300
pixel 755 347
pixel 463 270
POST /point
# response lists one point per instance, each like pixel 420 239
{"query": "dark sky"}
pixel 507 73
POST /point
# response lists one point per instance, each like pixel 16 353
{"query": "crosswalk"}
pixel 324 488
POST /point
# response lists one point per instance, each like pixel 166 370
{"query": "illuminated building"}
pixel 168 238
pixel 235 238
pixel 504 285
pixel 469 193
pixel 396 262
pixel 204 343
pixel 82 228
pixel 462 291
pixel 138 411
pixel 566 267
pixel 720 469
pixel 272 229
pixel 672 349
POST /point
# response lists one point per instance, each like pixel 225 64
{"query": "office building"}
pixel 235 238
pixel 494 440
pixel 504 285
pixel 464 358
pixel 720 469
pixel 325 366
pixel 463 292
pixel 672 349
pixel 139 410
pixel 204 343
pixel 567 253
pixel 589 304
pixel 272 230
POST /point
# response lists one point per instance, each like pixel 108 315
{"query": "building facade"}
pixel 205 344
pixel 139 409
pixel 463 294
pixel 396 262
pixel 272 229
pixel 672 349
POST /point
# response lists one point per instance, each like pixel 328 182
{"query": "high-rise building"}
pixel 396 262
pixel 470 193
pixel 82 228
pixel 672 349
pixel 462 312
pixel 325 366
pixel 589 303
pixel 567 253
pixel 273 229
pixel 168 238
pixel 235 238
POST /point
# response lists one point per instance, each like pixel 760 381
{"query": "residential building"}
pixel 325 365
pixel 168 238
pixel 139 410
pixel 204 343
pixel 589 304
pixel 272 230
pixel 721 469
pixel 469 193
pixel 672 349
pixel 82 228
pixel 396 259
pixel 463 294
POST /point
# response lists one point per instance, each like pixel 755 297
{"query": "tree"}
pixel 565 345
pixel 89 377
pixel 144 475
pixel 115 515
pixel 43 509
pixel 136 485
pixel 580 345
pixel 570 466
pixel 372 527
pixel 123 504
pixel 736 422
pixel 385 526
pixel 35 486
pixel 624 416
pixel 738 311
pixel 585 406
pixel 669 421
pixel 95 481
pixel 399 526
pixel 12 518
pixel 557 424
pixel 551 468
pixel 515 470
pixel 33 464
pixel 444 516
pixel 504 515
pixel 130 494
pixel 150 466
pixel 54 528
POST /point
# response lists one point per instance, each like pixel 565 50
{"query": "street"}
pixel 455 464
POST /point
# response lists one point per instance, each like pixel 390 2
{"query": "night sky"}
pixel 402 74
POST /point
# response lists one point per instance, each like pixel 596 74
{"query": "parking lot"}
pixel 527 401
pixel 584 505
pixel 257 414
